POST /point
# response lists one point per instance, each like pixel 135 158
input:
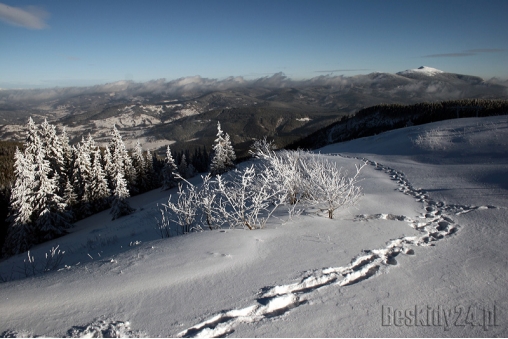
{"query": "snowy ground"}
pixel 422 254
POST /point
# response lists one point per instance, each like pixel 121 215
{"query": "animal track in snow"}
pixel 433 224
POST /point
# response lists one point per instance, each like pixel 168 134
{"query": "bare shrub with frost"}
pixel 249 199
pixel 329 186
pixel 435 139
pixel 53 259
pixel 164 223
pixel 185 209
pixel 309 179
pixel 287 172
pixel 208 200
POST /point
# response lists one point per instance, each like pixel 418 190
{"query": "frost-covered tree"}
pixel 152 178
pixel 120 206
pixel 51 217
pixel 183 168
pixel 109 167
pixel 67 155
pixel 21 233
pixel 70 197
pixel 138 161
pixel 32 139
pixel 38 212
pixel 223 153
pixel 54 153
pixel 230 152
pixel 168 171
pixel 82 179
pixel 330 188
pixel 99 190
pixel 121 161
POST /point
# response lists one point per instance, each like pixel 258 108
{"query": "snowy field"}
pixel 423 253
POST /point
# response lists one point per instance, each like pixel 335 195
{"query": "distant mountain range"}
pixel 185 111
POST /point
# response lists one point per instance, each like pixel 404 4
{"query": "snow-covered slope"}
pixel 422 250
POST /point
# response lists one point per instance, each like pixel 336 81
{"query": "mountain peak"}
pixel 425 70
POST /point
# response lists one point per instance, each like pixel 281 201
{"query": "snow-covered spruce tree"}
pixel 21 233
pixel 70 197
pixel 230 152
pixel 120 206
pixel 50 212
pixel 32 139
pixel 138 161
pixel 182 167
pixel 109 167
pixel 223 154
pixel 54 154
pixel 186 170
pixel 152 178
pixel 67 154
pixel 82 180
pixel 121 160
pixel 168 171
pixel 99 190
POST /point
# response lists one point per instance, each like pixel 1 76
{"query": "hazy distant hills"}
pixel 186 110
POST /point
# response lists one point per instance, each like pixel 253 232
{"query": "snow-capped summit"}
pixel 422 70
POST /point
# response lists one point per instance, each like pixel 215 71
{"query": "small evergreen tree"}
pixel 82 180
pixel 168 171
pixel 138 161
pixel 99 190
pixel 120 206
pixel 122 161
pixel 70 197
pixel 68 157
pixel 151 176
pixel 223 153
pixel 183 167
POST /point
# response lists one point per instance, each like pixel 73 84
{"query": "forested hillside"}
pixel 380 118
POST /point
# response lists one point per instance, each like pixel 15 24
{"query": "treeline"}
pixel 49 183
pixel 381 118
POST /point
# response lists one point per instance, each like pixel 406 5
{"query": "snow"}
pixel 428 234
pixel 422 70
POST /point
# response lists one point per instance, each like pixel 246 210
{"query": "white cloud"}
pixel 29 17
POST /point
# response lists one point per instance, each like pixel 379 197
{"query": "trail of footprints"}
pixel 433 224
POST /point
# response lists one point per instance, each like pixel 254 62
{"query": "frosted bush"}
pixel 434 139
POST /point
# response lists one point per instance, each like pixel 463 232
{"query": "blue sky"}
pixel 81 43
